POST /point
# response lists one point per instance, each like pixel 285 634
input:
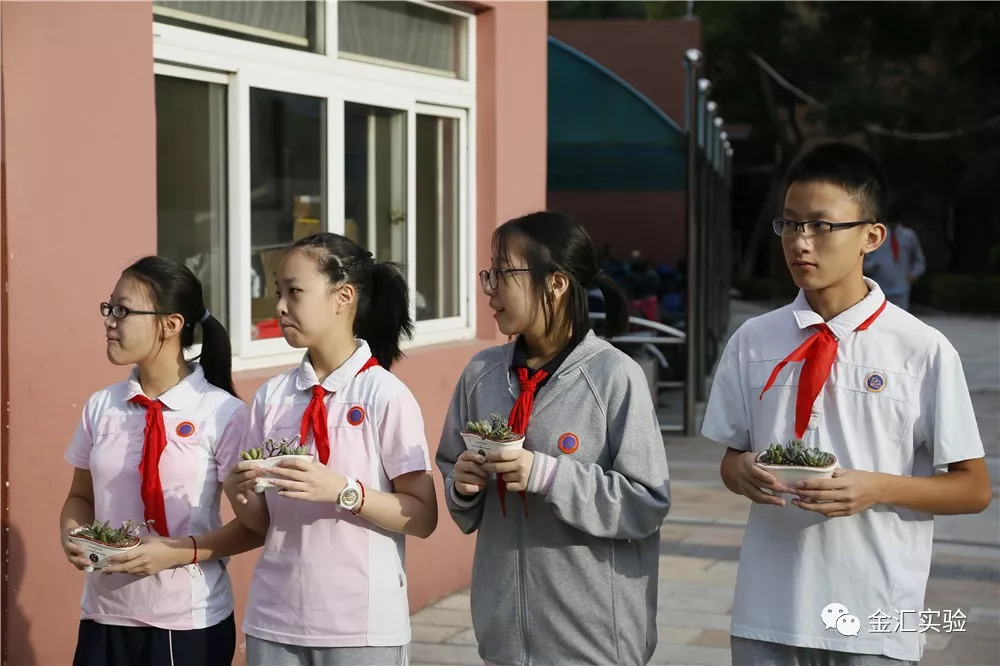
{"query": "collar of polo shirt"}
pixel 306 377
pixel 847 321
pixel 187 394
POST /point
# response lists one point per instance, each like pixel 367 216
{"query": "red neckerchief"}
pixel 817 354
pixel 520 414
pixel 314 417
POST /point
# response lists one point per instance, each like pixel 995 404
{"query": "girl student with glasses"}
pixel 157 447
pixel 330 584
pixel 567 525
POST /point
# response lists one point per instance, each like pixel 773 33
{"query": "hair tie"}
pixel 205 316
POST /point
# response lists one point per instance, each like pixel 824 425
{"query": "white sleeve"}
pixel 726 420
pixel 947 424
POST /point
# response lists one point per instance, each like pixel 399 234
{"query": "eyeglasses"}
pixel 811 229
pixel 122 311
pixel 491 279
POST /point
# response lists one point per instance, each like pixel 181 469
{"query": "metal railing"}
pixel 662 335
pixel 708 258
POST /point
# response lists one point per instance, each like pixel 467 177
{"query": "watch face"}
pixel 350 497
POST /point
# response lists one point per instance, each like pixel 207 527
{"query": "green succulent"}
pixel 272 448
pixel 495 429
pixel 796 454
pixel 125 535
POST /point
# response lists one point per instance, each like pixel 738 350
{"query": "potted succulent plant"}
pixel 272 453
pixel 796 462
pixel 100 541
pixel 491 434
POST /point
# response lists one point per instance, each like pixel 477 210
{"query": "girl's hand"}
pixel 307 480
pixel 470 477
pixel 74 552
pixel 241 481
pixel 513 465
pixel 152 555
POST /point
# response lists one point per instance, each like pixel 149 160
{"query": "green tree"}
pixel 888 74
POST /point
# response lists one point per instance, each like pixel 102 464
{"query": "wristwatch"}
pixel 352 496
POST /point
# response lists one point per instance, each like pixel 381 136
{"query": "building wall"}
pixel 80 183
pixel 651 222
pixel 649 55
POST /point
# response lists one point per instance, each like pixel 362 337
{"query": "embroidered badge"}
pixel 356 415
pixel 569 442
pixel 875 382
pixel 185 429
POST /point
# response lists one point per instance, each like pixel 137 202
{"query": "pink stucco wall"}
pixel 649 55
pixel 80 184
pixel 651 222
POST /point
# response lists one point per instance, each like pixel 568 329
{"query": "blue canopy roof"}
pixel 603 134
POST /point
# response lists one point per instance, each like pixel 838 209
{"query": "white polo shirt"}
pixel 205 427
pixel 325 577
pixel 896 401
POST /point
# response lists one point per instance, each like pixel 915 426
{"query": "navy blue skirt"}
pixel 110 645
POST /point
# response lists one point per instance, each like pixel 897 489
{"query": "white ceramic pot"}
pixel 97 552
pixel 482 446
pixel 264 482
pixel 792 474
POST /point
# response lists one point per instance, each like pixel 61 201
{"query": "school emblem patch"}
pixel 875 382
pixel 356 415
pixel 569 442
pixel 185 429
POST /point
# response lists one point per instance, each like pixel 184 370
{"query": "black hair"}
pixel 552 242
pixel 848 167
pixel 383 316
pixel 174 288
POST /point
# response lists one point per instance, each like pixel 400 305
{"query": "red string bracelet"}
pixel 361 505
pixel 195 544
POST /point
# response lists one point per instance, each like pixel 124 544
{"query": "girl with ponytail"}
pixel 330 584
pixel 565 573
pixel 157 448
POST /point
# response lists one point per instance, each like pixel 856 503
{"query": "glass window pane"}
pixel 287 190
pixel 291 23
pixel 403 34
pixel 191 182
pixel 438 235
pixel 375 180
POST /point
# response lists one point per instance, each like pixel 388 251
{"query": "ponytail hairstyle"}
pixel 383 317
pixel 556 243
pixel 174 288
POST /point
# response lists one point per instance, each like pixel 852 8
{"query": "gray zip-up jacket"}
pixel 574 581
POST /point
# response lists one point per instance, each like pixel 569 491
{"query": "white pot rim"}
pixel 517 438
pixel 76 535
pixel 828 468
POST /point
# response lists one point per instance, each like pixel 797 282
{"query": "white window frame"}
pixel 242 65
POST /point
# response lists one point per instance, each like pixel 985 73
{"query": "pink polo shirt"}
pixel 328 578
pixel 205 427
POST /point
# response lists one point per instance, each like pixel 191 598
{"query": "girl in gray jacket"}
pixel 566 573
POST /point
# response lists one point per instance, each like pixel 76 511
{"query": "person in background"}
pixel 898 263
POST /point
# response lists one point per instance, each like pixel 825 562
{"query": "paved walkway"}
pixel 702 535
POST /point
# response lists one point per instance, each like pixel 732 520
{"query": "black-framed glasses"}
pixel 122 311
pixel 490 279
pixel 811 228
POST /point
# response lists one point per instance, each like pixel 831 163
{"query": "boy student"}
pixel 898 263
pixel 860 378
